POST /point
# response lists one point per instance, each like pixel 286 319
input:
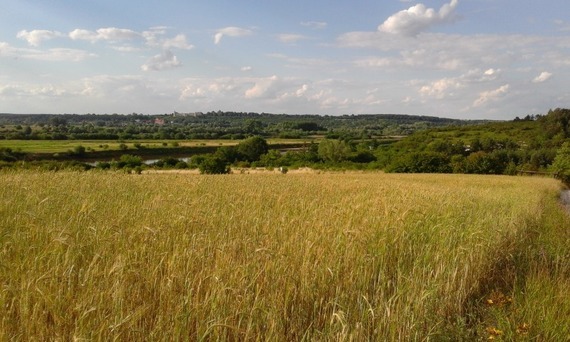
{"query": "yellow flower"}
pixel 494 331
pixel 523 328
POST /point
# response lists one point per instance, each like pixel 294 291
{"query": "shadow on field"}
pixel 510 264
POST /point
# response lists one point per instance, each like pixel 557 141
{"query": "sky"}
pixel 467 59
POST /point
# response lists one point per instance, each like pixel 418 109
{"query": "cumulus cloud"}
pixel 35 37
pixel 165 60
pixel 418 18
pixel 543 77
pixel 261 87
pixel 441 88
pixel 178 42
pixel 208 90
pixel 491 72
pixel 155 38
pixel 231 32
pixel 491 95
pixel 107 33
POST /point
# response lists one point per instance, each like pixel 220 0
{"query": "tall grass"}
pixel 269 257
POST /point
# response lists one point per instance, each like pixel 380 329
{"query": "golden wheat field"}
pixel 332 256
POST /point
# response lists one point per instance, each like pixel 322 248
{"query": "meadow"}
pixel 297 256
pixel 61 146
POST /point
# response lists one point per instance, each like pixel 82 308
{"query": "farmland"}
pixel 62 146
pixel 314 256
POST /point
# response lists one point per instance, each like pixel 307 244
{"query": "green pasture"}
pixel 59 146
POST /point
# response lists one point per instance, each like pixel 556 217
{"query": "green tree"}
pixel 271 158
pixel 561 164
pixel 251 149
pixel 253 126
pixel 421 162
pixel 214 164
pixel 129 161
pixel 79 150
pixel 333 150
pixel 229 153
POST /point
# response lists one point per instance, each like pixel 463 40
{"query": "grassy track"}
pixel 358 256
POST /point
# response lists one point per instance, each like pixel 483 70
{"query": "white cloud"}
pixel 319 25
pixel 80 34
pixel 206 90
pixel 126 48
pixel 60 54
pixel 491 95
pixel 41 91
pixel 417 18
pixel 418 58
pixel 52 55
pixel 178 42
pixel 246 68
pixel 153 35
pixel 124 93
pixel 231 32
pixel 491 74
pixel 165 60
pixel 261 87
pixel 107 33
pixel 441 88
pixel 154 38
pixel 290 38
pixel 459 52
pixel 35 37
pixel 543 77
pixel 116 34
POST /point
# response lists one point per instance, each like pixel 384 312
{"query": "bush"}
pixel 129 161
pixel 79 150
pixel 561 165
pixel 421 162
pixel 181 165
pixel 214 165
pixel 252 148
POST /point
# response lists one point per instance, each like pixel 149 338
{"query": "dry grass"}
pixel 356 256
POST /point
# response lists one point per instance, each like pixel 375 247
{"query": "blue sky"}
pixel 471 59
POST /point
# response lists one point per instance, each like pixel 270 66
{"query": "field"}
pixel 60 146
pixel 304 256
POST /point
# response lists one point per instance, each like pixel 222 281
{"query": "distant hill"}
pixel 494 147
pixel 225 124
